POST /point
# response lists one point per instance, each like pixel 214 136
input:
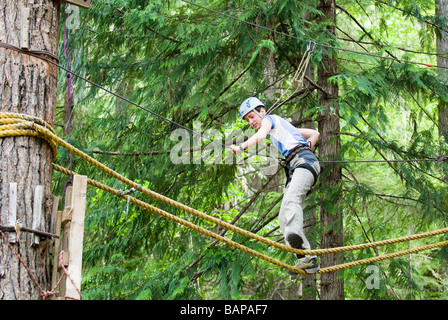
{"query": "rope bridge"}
pixel 12 124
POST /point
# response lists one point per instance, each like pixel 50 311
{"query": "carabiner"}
pixel 309 46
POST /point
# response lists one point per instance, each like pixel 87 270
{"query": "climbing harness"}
pixel 289 171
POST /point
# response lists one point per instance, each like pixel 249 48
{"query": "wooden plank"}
pixel 12 215
pixel 76 236
pixel 56 228
pixel 54 216
pixel 65 235
pixel 37 212
pixel 85 4
pixel 66 216
pixel 25 32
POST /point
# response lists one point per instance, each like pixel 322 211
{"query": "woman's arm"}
pixel 261 134
pixel 310 135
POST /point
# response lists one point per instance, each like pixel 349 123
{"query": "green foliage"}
pixel 189 64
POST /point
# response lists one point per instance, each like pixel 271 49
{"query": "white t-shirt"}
pixel 284 135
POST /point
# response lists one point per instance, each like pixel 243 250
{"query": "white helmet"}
pixel 249 105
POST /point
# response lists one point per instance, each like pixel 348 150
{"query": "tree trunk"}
pixel 332 287
pixel 442 61
pixel 28 86
pixel 442 49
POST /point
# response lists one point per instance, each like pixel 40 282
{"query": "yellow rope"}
pixel 41 131
pixel 17 124
pixel 183 222
pixel 14 124
pixel 236 245
pixel 382 257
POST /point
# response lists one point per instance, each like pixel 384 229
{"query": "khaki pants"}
pixel 291 210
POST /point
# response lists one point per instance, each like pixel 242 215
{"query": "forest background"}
pixel 195 63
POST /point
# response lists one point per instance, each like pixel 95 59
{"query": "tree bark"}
pixel 332 287
pixel 442 61
pixel 28 86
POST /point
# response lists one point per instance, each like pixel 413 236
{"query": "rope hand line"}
pixel 297 78
pixel 21 125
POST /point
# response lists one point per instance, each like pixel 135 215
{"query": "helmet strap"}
pixel 258 113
